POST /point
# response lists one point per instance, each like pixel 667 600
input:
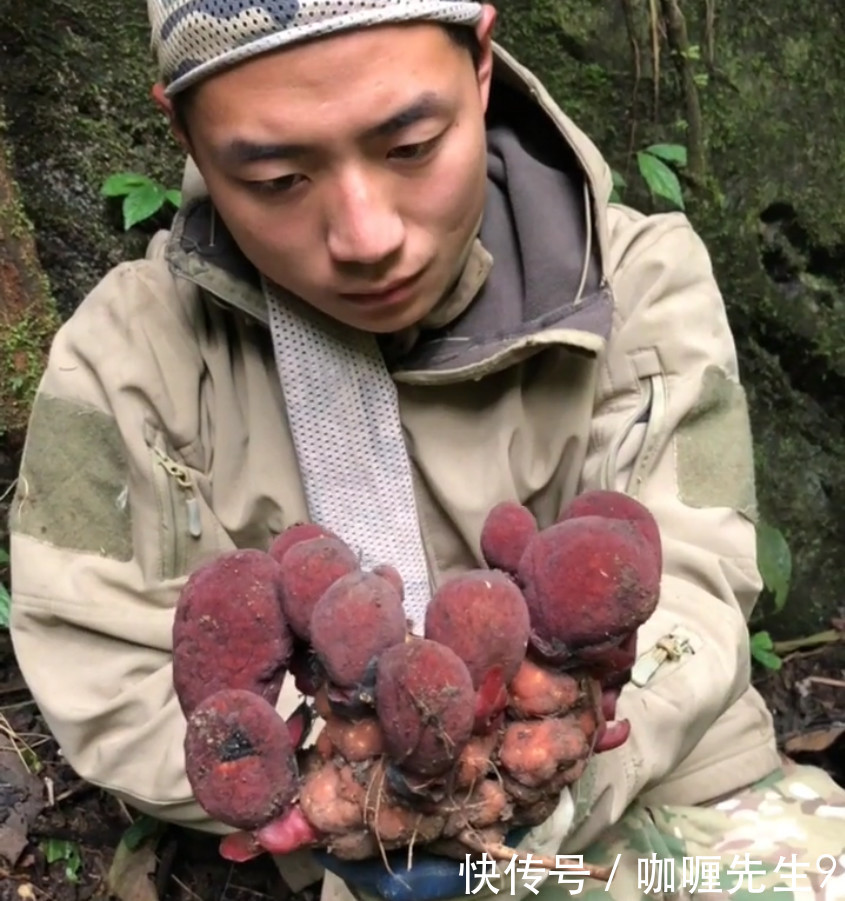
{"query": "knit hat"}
pixel 192 39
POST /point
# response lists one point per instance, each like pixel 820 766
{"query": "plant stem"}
pixel 830 636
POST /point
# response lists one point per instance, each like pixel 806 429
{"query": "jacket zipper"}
pixel 668 649
pixel 184 515
pixel 183 480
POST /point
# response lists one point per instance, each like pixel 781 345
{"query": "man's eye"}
pixel 414 151
pixel 280 185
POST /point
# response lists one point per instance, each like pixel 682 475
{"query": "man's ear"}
pixel 484 32
pixel 163 102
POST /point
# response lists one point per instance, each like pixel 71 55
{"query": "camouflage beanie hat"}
pixel 196 38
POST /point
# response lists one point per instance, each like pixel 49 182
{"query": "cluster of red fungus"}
pixel 446 740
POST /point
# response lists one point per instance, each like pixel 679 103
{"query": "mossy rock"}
pixel 76 78
pixel 28 316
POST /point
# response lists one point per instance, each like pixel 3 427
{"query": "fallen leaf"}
pixel 813 742
pixel 142 830
pixel 26 892
pixel 131 873
pixel 21 800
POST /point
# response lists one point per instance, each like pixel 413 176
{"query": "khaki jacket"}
pixel 158 440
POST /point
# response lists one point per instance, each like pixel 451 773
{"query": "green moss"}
pixel 775 117
pixel 28 317
pixel 14 222
pixel 21 354
pixel 558 39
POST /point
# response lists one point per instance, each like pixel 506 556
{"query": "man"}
pixel 397 294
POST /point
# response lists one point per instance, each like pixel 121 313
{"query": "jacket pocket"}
pixel 180 520
pixel 631 452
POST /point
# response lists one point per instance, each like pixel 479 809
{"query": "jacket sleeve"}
pixel 101 540
pixel 671 427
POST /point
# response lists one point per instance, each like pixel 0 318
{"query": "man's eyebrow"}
pixel 240 152
pixel 426 106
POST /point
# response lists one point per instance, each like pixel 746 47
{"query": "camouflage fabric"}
pixel 195 38
pixel 781 839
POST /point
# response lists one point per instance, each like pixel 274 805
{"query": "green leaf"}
pixel 661 180
pixel 54 849
pixel 124 183
pixel 669 153
pixel 774 561
pixel 174 196
pixel 58 849
pixel 31 761
pixel 143 828
pixel 5 606
pixel 762 651
pixel 4 556
pixel 762 641
pixel 767 659
pixel 142 203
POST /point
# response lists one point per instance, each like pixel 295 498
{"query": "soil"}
pixel 62 834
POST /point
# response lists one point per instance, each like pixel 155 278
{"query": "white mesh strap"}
pixel 344 417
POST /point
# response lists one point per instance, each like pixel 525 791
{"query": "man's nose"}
pixel 364 225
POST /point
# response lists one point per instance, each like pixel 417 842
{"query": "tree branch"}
pixel 676 30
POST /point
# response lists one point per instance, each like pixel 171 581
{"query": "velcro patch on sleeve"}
pixel 72 490
pixel 714 450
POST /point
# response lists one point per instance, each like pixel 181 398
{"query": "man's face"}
pixel 352 170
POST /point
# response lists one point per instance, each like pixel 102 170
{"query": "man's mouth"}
pixel 392 292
